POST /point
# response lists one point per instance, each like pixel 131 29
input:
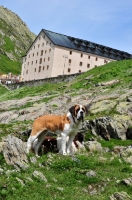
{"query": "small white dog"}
pixel 67 125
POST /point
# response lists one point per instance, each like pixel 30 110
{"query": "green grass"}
pixel 121 70
pixel 30 91
pixel 69 174
pixel 7 65
pixel 10 46
pixel 3 90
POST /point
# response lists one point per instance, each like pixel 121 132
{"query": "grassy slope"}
pixel 121 70
pixel 7 65
pixel 70 174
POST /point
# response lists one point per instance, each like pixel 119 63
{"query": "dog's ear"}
pixel 72 110
pixel 86 108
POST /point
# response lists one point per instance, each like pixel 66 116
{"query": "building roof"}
pixel 86 46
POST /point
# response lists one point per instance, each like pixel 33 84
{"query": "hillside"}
pixel 103 170
pixel 15 38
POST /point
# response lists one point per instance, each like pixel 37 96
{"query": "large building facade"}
pixel 52 54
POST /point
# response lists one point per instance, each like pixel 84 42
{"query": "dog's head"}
pixel 78 112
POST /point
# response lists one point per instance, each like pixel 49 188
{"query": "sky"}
pixel 105 22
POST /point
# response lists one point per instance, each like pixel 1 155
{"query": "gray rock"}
pixel 93 146
pixel 129 99
pixel 39 175
pixel 14 151
pixel 108 127
pixel 91 173
pixel 20 181
pixel 127 181
pixel 120 196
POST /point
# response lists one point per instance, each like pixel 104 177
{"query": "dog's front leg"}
pixel 63 143
pixel 69 143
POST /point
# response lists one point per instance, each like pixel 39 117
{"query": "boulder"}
pixel 108 127
pixel 120 196
pixel 14 151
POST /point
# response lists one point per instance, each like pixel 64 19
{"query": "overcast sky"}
pixel 106 22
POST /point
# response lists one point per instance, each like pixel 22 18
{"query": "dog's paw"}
pixel 62 152
pixel 37 156
pixel 68 152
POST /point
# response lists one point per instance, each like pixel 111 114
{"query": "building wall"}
pixel 44 60
pixel 37 64
pixel 69 61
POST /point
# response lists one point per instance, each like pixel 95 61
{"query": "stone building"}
pixel 53 54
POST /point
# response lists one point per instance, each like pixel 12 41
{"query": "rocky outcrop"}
pixel 18 28
pixel 120 196
pixel 14 151
pixel 15 37
pixel 108 127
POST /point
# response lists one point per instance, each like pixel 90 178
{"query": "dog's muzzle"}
pixel 81 116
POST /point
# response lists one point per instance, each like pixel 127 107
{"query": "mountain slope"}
pixel 15 38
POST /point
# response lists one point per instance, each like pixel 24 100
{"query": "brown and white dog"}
pixel 67 124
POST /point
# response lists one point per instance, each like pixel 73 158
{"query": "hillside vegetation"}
pixel 96 174
pixel 117 70
pixel 15 39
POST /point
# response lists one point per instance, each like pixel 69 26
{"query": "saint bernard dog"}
pixel 67 125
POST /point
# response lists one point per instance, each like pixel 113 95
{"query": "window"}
pixel 79 71
pixel 96 59
pixel 27 71
pixel 88 65
pixel 49 50
pixel 41 52
pixel 80 63
pixel 36 61
pixel 44 36
pixel 25 59
pixel 28 63
pixel 46 42
pixel 69 69
pixel 34 69
pixel 47 67
pixel 45 51
pixel 33 54
pixel 70 52
pixel 38 45
pixel 39 69
pixel 34 47
pixel 43 44
pixel 88 57
pixel 32 63
pixel 69 61
pixel 81 55
pixel 43 67
pixel 37 53
pixel 48 58
pixel 40 61
pixel 29 56
pixel 39 38
pixel 44 59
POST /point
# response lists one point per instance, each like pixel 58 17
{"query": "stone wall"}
pixel 58 79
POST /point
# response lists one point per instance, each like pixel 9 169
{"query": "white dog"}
pixel 67 125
